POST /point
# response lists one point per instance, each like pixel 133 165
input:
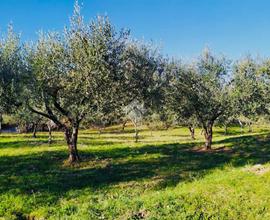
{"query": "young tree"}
pixel 135 112
pixel 202 91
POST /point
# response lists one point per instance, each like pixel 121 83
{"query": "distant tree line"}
pixel 90 72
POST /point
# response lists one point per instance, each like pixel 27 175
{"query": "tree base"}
pixel 73 158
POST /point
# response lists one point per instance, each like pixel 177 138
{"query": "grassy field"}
pixel 164 176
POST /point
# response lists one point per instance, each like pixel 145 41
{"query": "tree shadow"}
pixel 44 175
pixel 251 149
pixel 37 142
pixel 23 143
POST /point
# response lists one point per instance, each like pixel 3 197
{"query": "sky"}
pixel 182 28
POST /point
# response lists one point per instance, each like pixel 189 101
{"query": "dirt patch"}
pixel 202 149
pixel 142 214
pixel 258 169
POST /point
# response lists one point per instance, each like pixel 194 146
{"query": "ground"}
pixel 164 176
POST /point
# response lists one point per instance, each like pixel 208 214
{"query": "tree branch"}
pixel 61 110
pixel 49 116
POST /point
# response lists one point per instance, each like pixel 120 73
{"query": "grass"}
pixel 161 177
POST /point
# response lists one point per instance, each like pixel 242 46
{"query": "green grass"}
pixel 161 177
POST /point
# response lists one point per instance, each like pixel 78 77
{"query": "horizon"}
pixel 181 28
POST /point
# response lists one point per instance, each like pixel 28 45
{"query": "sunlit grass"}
pixel 160 177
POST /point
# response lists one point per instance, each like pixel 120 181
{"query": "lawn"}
pixel 164 176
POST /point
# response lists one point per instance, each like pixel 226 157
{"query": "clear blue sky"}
pixel 182 27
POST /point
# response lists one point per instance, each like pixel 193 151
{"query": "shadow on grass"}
pixel 37 142
pixel 251 149
pixel 23 143
pixel 237 131
pixel 43 173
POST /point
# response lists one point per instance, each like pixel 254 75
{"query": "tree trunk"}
pixel 71 135
pixel 34 130
pixel 167 125
pixel 136 135
pixel 208 135
pixel 50 134
pixel 202 131
pixel 99 130
pixel 192 132
pixel 225 129
pixel 124 125
pixel 250 127
pixel 241 125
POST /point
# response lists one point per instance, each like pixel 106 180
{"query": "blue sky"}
pixel 182 27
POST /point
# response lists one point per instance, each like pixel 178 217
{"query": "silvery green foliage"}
pixel 249 89
pixel 210 90
pixel 200 91
pixel 25 119
pixel 263 84
pixel 138 71
pixel 144 67
pixel 178 104
pixel 11 71
pixel 89 70
pixel 78 72
pixel 206 89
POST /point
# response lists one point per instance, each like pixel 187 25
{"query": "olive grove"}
pixel 91 73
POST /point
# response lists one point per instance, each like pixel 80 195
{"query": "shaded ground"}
pixel 33 169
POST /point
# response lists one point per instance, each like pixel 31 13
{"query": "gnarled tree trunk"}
pixel 208 135
pixel 71 135
pixel 192 132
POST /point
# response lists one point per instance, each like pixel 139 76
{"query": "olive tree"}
pixel 90 69
pixel 201 90
pixel 175 101
pixel 144 68
pixel 249 90
pixel 75 74
pixel 11 71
